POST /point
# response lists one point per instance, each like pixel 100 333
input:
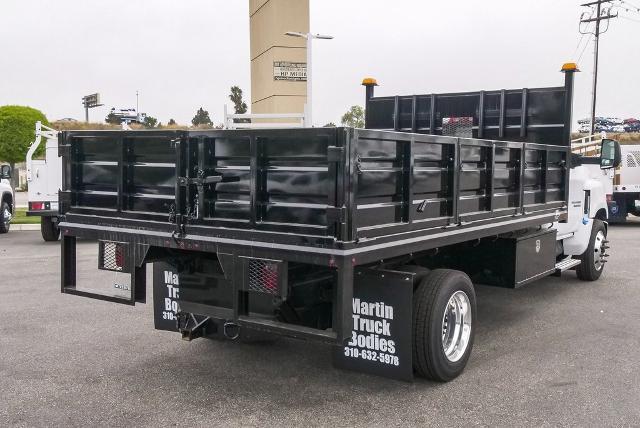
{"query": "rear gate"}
pixel 276 181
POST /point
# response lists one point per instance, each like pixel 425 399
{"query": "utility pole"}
pixel 599 17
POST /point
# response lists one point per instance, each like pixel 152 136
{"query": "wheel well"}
pixel 602 215
pixel 8 199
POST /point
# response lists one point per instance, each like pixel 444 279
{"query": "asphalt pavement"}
pixel 556 352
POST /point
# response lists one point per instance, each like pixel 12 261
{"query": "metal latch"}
pixel 199 181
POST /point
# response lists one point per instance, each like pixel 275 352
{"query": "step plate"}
pixel 566 265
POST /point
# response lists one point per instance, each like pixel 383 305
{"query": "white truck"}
pixel 44 177
pixel 626 189
pixel 6 199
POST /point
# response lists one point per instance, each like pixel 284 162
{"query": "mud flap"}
pixel 166 292
pixel 380 342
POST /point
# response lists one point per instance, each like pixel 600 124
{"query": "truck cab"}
pixel 582 237
pixel 7 204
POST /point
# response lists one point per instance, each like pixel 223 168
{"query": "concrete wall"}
pixel 269 20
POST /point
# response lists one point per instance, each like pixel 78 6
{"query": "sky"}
pixel 181 55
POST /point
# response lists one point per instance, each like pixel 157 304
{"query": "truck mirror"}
pixel 610 154
pixel 5 172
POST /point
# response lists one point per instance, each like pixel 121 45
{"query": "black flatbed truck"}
pixel 362 238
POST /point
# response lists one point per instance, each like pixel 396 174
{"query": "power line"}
pixel 586 45
pixel 573 55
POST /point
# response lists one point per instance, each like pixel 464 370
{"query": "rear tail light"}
pixel 36 206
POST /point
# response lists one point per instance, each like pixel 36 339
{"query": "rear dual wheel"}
pixel 444 307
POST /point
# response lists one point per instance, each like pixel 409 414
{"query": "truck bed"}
pixel 322 188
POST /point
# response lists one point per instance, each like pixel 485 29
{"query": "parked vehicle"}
pixel 44 177
pixel 367 239
pixel 128 115
pixel 584 129
pixel 7 204
pixel 626 189
pixel 632 127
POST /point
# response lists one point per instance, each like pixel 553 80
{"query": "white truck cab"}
pixel 582 237
pixel 7 204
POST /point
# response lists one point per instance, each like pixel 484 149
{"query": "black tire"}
pixel 430 300
pixel 49 229
pixel 5 223
pixel 588 269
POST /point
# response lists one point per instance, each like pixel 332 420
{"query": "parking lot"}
pixel 556 352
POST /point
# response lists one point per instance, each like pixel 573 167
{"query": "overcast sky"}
pixel 185 54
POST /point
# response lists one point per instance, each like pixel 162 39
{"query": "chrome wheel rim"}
pixel 456 326
pixel 599 250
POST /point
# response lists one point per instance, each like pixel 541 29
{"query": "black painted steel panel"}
pixel 316 186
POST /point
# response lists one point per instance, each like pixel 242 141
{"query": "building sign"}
pixel 293 71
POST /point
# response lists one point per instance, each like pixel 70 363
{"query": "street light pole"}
pixel 309 37
pixel 309 110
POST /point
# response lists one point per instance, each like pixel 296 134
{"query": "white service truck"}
pixel 626 189
pixel 44 178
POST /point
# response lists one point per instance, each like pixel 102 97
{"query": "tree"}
pixel 113 119
pixel 330 125
pixel 354 117
pixel 239 106
pixel 202 118
pixel 171 122
pixel 150 122
pixel 17 132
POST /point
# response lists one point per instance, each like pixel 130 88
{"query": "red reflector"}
pixel 35 206
pixel 609 198
pixel 270 277
pixel 120 256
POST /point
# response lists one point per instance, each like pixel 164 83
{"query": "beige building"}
pixel 278 62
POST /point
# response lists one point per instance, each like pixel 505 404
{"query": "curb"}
pixel 24 227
